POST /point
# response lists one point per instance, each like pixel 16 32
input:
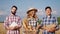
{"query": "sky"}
pixel 24 5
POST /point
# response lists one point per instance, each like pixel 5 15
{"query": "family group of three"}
pixel 30 23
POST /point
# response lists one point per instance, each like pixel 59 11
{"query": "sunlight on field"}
pixel 3 31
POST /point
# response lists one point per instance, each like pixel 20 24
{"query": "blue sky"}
pixel 24 5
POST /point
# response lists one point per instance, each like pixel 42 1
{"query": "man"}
pixel 13 22
pixel 49 23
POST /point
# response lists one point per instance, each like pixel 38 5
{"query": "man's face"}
pixel 48 11
pixel 13 10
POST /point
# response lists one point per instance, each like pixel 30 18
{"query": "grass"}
pixel 3 31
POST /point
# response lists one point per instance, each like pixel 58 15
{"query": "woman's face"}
pixel 32 13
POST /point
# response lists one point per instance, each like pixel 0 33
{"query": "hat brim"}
pixel 32 10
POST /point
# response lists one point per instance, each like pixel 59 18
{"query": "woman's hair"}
pixel 34 16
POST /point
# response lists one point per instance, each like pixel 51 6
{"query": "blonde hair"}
pixel 34 16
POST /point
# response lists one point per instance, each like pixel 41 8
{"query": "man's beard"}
pixel 13 13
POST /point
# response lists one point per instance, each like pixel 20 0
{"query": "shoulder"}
pixel 54 17
pixel 7 17
pixel 18 17
pixel 25 18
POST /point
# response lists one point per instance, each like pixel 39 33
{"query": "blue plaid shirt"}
pixel 47 21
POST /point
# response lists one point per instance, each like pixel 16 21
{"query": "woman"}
pixel 30 23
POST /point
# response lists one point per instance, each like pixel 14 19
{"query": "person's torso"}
pixel 32 22
pixel 48 21
pixel 12 19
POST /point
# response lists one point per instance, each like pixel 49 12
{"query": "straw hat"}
pixel 32 9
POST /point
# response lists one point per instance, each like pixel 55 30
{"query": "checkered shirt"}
pixel 9 21
pixel 47 21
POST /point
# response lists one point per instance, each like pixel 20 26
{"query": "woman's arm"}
pixel 25 24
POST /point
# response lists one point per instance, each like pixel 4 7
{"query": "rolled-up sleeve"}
pixel 6 23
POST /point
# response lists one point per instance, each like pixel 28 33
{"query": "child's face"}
pixel 48 11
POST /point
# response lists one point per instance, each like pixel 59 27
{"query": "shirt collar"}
pixel 12 15
pixel 48 16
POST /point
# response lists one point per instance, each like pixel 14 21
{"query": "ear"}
pixel 51 10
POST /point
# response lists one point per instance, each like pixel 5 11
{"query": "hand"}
pixel 11 28
pixel 16 27
pixel 34 30
pixel 29 27
pixel 45 28
pixel 38 27
pixel 26 29
pixel 52 30
pixel 53 25
pixel 48 29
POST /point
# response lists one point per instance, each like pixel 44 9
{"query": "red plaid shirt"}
pixel 9 21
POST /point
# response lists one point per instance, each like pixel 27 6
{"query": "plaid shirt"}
pixel 33 22
pixel 9 21
pixel 47 21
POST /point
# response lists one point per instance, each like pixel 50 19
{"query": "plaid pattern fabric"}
pixel 9 21
pixel 32 22
pixel 47 21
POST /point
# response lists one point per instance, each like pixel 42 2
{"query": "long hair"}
pixel 34 16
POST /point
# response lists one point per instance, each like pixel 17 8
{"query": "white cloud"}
pixel 54 12
pixel 2 12
pixel 40 12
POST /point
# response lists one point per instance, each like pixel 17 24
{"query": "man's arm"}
pixel 56 25
pixel 6 24
pixel 19 24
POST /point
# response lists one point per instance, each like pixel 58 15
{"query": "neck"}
pixel 49 15
pixel 13 14
pixel 30 16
